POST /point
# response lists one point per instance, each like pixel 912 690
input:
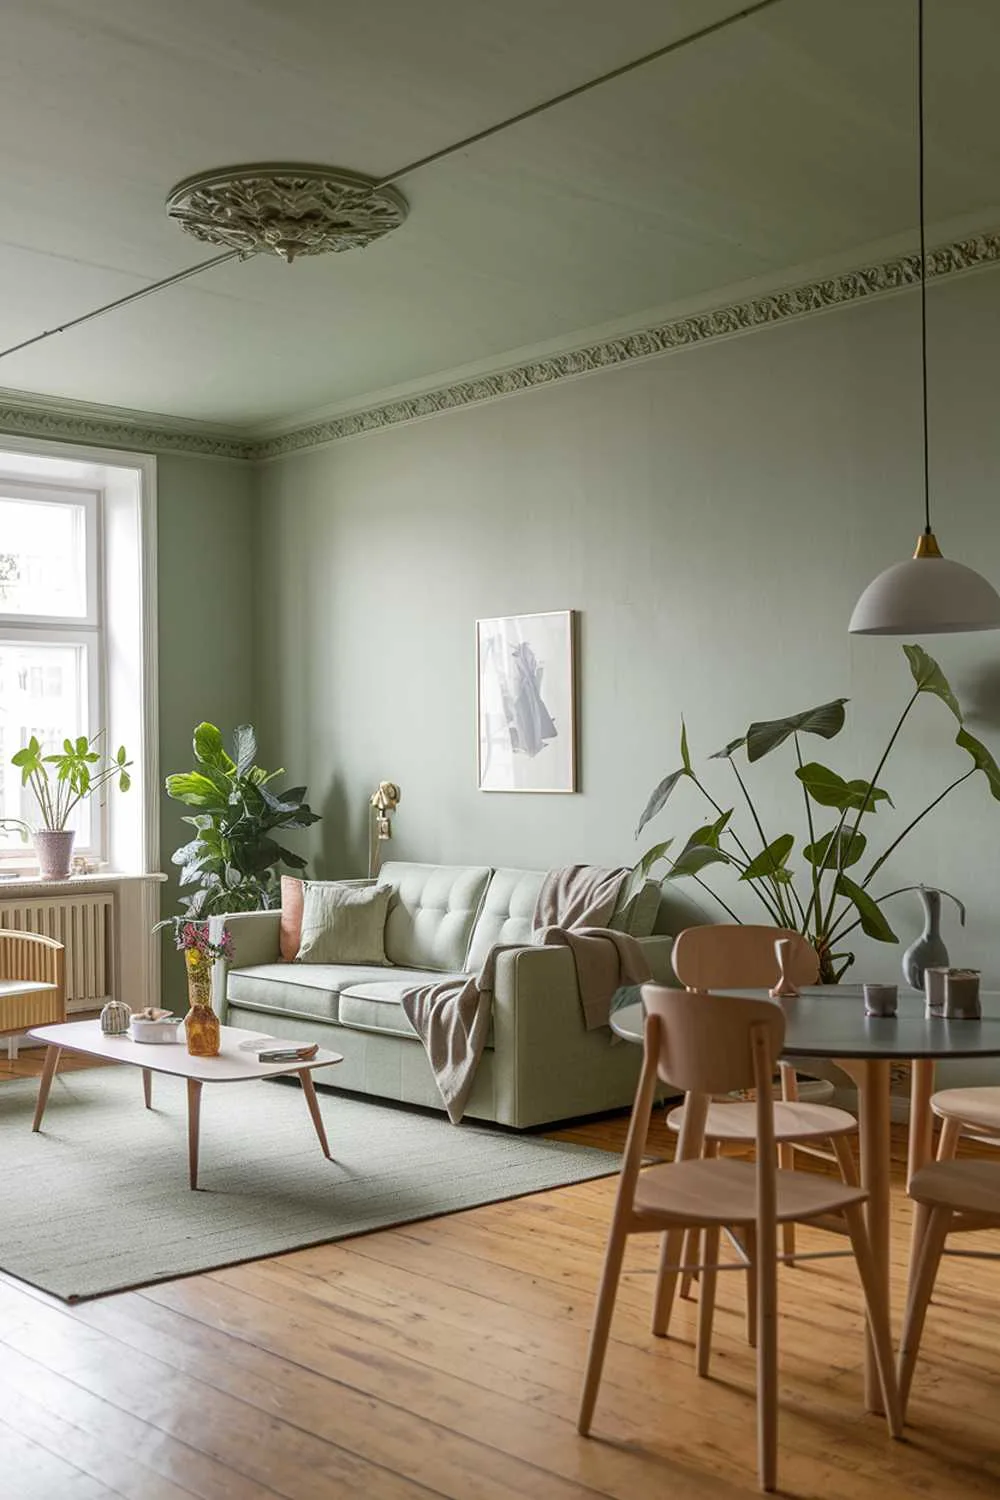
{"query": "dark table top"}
pixel 830 1021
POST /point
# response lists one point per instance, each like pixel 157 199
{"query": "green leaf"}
pixel 872 920
pixel 658 797
pixel 685 757
pixel 194 789
pixel 770 862
pixel 695 858
pixel 983 759
pixel 124 781
pixel 826 721
pixel 727 751
pixel 847 851
pixel 708 835
pixel 651 857
pixel 209 749
pixel 830 790
pixel 929 678
pixel 245 748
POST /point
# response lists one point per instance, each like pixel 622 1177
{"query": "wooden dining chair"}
pixel 972 1112
pixel 28 956
pixel 744 956
pixel 949 1197
pixel 713 1044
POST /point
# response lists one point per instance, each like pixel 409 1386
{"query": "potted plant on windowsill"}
pixel 81 769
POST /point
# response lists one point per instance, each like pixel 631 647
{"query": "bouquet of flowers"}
pixel 194 938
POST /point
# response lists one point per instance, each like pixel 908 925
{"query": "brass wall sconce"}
pixel 381 806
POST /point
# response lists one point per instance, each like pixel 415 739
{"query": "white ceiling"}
pixel 782 141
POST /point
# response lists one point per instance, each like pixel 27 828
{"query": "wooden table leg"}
pixel 194 1123
pixel 873 1077
pixel 921 1145
pixel 147 1087
pixel 309 1089
pixel 45 1083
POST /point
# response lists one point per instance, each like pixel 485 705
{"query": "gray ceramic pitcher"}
pixel 928 951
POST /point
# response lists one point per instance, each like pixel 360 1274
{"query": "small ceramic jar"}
pixel 116 1017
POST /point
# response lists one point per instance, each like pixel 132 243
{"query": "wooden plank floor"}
pixel 444 1358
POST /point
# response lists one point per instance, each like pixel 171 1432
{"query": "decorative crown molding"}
pixel 104 427
pixel 28 416
pixel 896 275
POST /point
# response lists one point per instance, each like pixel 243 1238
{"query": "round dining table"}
pixel 829 1022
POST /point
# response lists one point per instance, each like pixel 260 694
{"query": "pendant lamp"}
pixel 928 595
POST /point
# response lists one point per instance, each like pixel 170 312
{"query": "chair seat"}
pixel 978 1107
pixel 792 1122
pixel 725 1192
pixel 966 1186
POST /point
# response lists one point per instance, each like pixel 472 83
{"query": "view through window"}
pixel 50 630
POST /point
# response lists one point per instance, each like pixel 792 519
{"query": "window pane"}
pixel 43 558
pixel 43 692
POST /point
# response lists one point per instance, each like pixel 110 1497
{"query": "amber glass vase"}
pixel 201 1024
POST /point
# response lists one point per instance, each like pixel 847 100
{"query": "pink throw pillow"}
pixel 292 896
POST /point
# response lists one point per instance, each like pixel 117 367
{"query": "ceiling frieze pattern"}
pixel 976 252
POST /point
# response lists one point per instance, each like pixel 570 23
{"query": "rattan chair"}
pixel 26 957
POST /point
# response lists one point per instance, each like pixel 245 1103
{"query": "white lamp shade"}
pixel 926 596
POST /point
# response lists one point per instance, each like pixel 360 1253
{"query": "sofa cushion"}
pixel 308 989
pixel 343 924
pixel 508 908
pixel 376 1006
pixel 432 913
pixel 290 931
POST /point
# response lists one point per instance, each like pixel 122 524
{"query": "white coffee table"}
pixel 232 1065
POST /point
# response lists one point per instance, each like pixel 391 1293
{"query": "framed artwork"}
pixel 526 702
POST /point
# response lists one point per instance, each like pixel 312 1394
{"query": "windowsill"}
pixel 30 879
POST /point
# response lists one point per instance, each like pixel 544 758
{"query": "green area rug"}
pixel 98 1201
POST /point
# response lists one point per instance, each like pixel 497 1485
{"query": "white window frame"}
pixel 119 491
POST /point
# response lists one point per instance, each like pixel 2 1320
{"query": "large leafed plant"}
pixel 813 893
pixel 234 859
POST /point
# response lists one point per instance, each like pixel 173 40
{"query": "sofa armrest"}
pixel 255 936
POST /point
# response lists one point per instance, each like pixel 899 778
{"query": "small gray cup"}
pixel 961 995
pixel 880 999
pixel 934 979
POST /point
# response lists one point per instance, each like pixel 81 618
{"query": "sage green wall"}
pixel 713 515
pixel 206 550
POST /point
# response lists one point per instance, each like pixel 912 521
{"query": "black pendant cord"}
pixel 423 161
pixel 923 264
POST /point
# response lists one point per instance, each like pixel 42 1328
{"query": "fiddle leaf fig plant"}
pixel 233 860
pixel 814 895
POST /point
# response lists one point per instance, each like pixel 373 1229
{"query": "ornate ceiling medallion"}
pixel 285 208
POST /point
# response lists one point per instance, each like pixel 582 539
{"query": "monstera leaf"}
pixel 929 678
pixel 872 921
pixel 830 790
pixel 836 850
pixel 826 721
pixel 770 862
pixel 983 759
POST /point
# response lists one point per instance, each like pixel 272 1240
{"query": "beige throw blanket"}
pixel 452 1018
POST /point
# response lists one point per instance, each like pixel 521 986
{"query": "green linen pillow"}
pixel 343 924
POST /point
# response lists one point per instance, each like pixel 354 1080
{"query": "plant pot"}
pixel 54 848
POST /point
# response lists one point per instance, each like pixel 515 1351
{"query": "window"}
pixel 51 639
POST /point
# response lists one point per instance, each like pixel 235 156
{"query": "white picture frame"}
pixel 526 702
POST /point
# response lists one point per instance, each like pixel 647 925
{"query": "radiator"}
pixel 85 927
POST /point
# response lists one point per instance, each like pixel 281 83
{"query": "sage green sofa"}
pixel 539 1064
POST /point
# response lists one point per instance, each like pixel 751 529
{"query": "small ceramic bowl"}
pixel 163 1029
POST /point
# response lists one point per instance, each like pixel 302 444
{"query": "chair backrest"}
pixel 701 1048
pixel 727 956
pixel 29 955
pixel 709 1048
